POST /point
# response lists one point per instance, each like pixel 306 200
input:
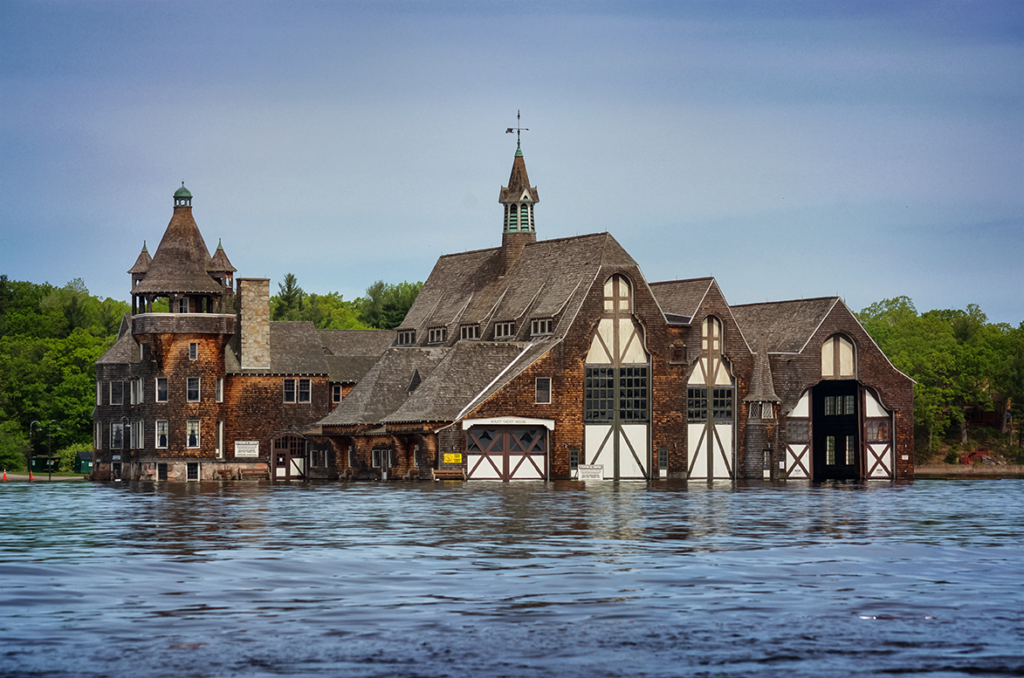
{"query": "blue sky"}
pixel 790 149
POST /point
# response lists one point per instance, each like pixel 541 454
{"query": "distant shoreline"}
pixel 977 471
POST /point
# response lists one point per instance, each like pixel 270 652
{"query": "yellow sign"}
pixel 453 458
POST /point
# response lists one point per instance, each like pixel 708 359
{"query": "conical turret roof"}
pixel 143 262
pixel 220 263
pixel 518 182
pixel 180 263
pixel 762 390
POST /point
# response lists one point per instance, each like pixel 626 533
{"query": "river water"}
pixel 532 579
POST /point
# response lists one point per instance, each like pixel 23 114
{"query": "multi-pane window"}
pixel 116 436
pixel 633 393
pixel 574 458
pixel 131 436
pixel 543 391
pixel 599 394
pixel 161 389
pixel 877 429
pixel 97 436
pixel 767 410
pixel 193 351
pixel 541 327
pixel 192 389
pixel 839 405
pixel 182 305
pixel 830 450
pixel 220 438
pixel 504 330
pixel 437 335
pixel 697 403
pixel 161 434
pixel 798 430
pixel 99 392
pixel 192 470
pixel 192 433
pixel 721 404
pixel 838 358
pixel 335 393
pixel 116 392
pixel 849 450
pixel 469 332
pixel 219 391
pixel 296 390
pixel 406 338
pixel 379 457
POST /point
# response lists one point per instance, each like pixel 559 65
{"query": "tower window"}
pixel 193 389
pixel 467 332
pixel 406 338
pixel 504 330
pixel 437 335
pixel 193 351
pixel 541 327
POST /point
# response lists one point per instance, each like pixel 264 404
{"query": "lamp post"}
pixel 49 452
pixel 31 427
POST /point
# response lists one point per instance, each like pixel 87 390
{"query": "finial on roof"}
pixel 144 247
pixel 219 246
pixel 517 129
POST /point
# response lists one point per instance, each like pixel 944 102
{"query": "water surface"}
pixel 531 579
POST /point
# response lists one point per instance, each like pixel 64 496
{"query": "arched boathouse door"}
pixel 616 388
pixel 710 409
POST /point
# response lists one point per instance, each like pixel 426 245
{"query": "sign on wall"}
pixel 590 472
pixel 247 448
pixel 453 458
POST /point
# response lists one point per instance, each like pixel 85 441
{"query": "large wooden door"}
pixel 289 458
pixel 506 453
pixel 710 409
pixel 616 389
pixel 836 435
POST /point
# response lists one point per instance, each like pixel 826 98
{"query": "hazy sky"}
pixel 790 149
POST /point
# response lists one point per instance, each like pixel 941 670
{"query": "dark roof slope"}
pixel 548 277
pixel 220 262
pixel 460 376
pixel 351 353
pixel 124 350
pixel 179 265
pixel 785 326
pixel 143 262
pixel 385 387
pixel 295 348
pixel 681 297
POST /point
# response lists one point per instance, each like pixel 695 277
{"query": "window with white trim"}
pixel 838 357
pixel 97 436
pixel 289 390
pixel 437 335
pixel 220 438
pixel 117 393
pixel 219 392
pixel 304 391
pixel 116 436
pixel 405 338
pixel 504 330
pixel 192 389
pixel 192 470
pixel 161 389
pixel 469 332
pixel 99 392
pixel 192 433
pixel 193 350
pixel 335 393
pixel 541 327
pixel 543 391
pixel 161 434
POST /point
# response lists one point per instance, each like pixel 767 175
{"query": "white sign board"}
pixel 590 472
pixel 247 448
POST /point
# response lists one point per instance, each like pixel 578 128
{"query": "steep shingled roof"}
pixel 143 262
pixel 220 263
pixel 385 387
pixel 180 263
pixel 461 375
pixel 681 297
pixel 351 353
pixel 762 388
pixel 518 182
pixel 549 276
pixel 784 325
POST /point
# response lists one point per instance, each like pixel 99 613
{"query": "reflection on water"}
pixel 485 579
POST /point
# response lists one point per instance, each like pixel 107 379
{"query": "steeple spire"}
pixel 518 199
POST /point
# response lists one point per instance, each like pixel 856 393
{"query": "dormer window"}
pixel 437 335
pixel 505 330
pixel 406 338
pixel 469 332
pixel 542 327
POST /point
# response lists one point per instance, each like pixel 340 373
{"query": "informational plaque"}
pixel 453 458
pixel 590 472
pixel 247 448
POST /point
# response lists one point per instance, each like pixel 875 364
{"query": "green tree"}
pixel 13 446
pixel 287 304
pixel 69 455
pixel 385 306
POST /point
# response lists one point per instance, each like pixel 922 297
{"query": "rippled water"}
pixel 481 579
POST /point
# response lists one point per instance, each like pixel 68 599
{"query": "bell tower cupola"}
pixel 518 200
pixel 182 197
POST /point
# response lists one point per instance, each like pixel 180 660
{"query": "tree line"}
pixel 51 337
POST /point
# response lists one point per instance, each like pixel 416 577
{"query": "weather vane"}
pixel 517 129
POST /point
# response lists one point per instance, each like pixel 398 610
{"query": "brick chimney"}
pixel 254 322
